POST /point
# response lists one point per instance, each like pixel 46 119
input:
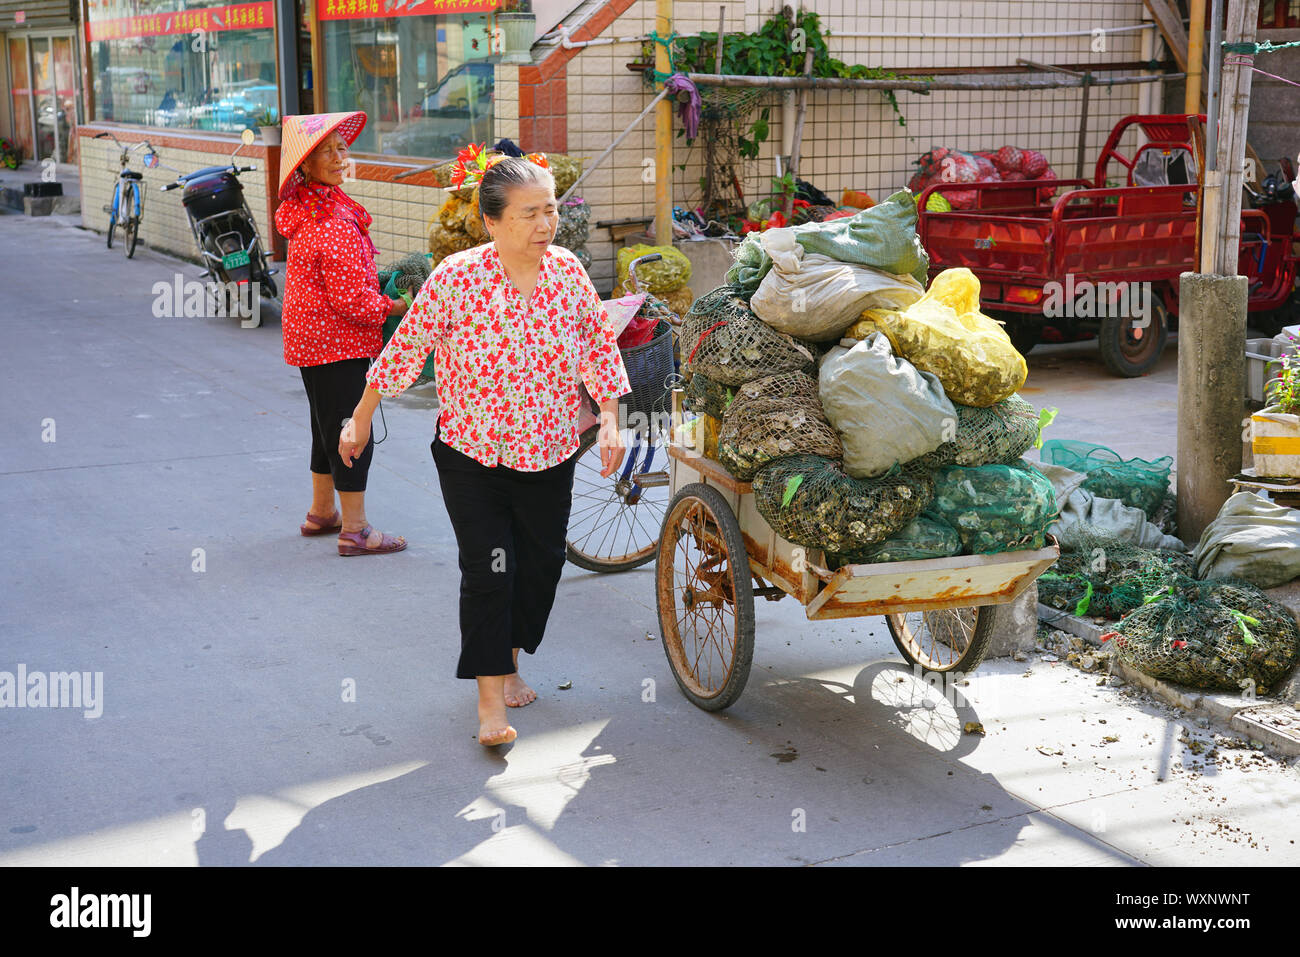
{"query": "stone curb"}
pixel 1240 714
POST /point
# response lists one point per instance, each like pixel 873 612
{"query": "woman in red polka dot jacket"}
pixel 333 316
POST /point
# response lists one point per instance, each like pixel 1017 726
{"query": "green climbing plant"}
pixel 778 48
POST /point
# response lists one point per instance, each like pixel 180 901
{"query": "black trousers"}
pixel 510 532
pixel 333 391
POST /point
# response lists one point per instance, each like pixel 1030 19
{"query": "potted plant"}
pixel 268 122
pixel 518 27
pixel 1275 430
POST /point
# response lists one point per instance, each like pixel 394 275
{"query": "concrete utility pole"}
pixel 664 133
pixel 1212 309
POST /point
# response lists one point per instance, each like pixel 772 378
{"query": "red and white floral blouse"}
pixel 507 371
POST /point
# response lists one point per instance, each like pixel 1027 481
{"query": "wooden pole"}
pixel 1234 113
pixel 722 24
pixel 663 133
pixel 975 81
pixel 800 113
pixel 317 58
pixel 1195 57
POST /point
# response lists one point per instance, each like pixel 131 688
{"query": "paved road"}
pixel 225 737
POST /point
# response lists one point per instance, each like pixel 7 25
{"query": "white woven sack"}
pixel 815 297
pixel 886 410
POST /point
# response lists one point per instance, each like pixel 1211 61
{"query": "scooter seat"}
pixel 206 171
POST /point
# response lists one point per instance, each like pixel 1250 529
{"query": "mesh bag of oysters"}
pixel 810 500
pixel 1214 634
pixel 1101 575
pixel 723 339
pixel 998 434
pixel 773 418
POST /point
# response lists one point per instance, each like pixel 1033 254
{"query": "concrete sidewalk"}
pixel 226 736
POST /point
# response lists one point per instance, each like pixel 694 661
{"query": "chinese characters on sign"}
pixel 361 9
pixel 242 16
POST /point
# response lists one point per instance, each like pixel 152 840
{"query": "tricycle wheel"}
pixel 706 598
pixel 951 639
pixel 1130 351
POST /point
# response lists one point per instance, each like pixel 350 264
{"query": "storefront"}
pixel 190 75
pixel 39 57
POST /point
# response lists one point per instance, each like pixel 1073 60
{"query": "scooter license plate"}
pixel 234 260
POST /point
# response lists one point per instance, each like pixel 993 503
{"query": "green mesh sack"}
pixel 924 537
pixel 809 500
pixel 998 434
pixel 1215 634
pixel 1135 482
pixel 723 339
pixel 995 508
pixel 883 237
pixel 708 396
pixel 1101 576
pixel 407 274
pixel 773 418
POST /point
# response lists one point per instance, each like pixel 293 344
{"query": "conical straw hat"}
pixel 301 134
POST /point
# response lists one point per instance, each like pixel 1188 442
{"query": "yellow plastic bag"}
pixel 945 333
pixel 661 277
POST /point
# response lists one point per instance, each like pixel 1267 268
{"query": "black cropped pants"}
pixel 333 391
pixel 510 532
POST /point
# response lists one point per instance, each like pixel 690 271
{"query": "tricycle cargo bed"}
pixel 858 590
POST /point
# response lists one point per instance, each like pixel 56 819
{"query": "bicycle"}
pixel 128 195
pixel 615 522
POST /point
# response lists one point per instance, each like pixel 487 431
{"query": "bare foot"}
pixel 493 728
pixel 518 694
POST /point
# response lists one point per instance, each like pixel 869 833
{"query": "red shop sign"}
pixel 239 16
pixel 366 9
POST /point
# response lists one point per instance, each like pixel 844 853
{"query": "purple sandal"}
pixel 389 543
pixel 324 523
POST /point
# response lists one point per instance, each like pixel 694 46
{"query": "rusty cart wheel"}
pixel 951 639
pixel 705 597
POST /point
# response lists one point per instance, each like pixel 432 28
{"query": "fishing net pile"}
pixel 852 447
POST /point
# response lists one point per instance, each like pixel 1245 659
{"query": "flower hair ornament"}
pixel 473 161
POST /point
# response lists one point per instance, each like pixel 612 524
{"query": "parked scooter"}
pixel 223 225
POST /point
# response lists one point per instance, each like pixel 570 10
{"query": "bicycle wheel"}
pixel 615 521
pixel 951 639
pixel 131 225
pixel 112 218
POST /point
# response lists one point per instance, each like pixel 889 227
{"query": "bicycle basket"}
pixel 648 369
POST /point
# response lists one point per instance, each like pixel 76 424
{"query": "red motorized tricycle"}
pixel 1104 261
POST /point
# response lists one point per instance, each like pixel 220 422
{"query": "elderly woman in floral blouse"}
pixel 515 327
